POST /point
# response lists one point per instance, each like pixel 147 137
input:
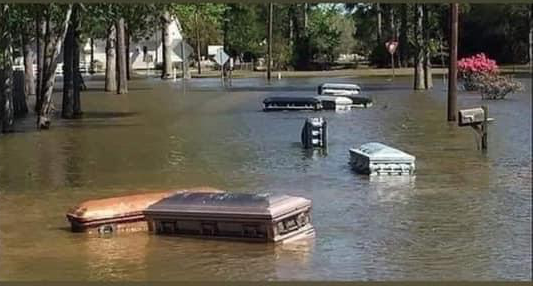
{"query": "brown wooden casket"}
pixel 119 214
pixel 249 217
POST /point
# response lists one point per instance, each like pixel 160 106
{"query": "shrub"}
pixel 471 68
pixel 494 86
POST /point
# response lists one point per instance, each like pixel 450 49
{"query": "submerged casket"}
pixel 379 159
pixel 291 103
pixel 335 102
pixel 359 101
pixel 249 217
pixel 118 214
pixel 338 89
pixel 315 133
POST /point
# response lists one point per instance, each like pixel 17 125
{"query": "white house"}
pixel 143 54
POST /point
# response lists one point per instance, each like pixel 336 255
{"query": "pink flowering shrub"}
pixel 471 68
pixel 482 74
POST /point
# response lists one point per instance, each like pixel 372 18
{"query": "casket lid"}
pixel 123 206
pixel 348 86
pixel 290 99
pixel 381 152
pixel 267 205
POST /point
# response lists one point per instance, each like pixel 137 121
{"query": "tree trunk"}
pixel 29 78
pixel 91 64
pixel 198 48
pixel 39 40
pixel 428 75
pixel 52 50
pixel 67 109
pixel 77 81
pixel 6 75
pixel 403 44
pixel 531 37
pixel 306 20
pixel 121 57
pixel 110 66
pixel 128 65
pixel 166 73
pixel 419 53
pixel 290 15
pixel 379 22
pixel 392 23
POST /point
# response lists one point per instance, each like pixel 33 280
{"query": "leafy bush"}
pixel 494 86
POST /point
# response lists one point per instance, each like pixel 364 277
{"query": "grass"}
pixel 359 72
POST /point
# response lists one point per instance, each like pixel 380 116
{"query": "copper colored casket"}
pixel 118 214
pixel 249 217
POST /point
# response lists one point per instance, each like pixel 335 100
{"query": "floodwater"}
pixel 465 216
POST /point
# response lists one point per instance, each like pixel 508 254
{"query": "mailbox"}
pixel 471 116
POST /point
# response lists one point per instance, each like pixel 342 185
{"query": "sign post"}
pixel 221 58
pixel 183 50
pixel 391 48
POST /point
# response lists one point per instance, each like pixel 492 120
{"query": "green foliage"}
pixel 498 30
pixel 245 31
pixel 203 19
pixel 324 36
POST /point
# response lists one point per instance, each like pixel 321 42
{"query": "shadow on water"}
pixel 107 114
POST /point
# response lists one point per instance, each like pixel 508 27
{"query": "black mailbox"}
pixel 473 116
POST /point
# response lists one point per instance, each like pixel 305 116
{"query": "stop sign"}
pixel 391 46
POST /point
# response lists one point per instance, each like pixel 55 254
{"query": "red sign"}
pixel 391 46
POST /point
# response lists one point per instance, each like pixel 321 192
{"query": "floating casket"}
pixel 338 89
pixel 118 214
pixel 379 159
pixel 291 103
pixel 335 102
pixel 315 133
pixel 249 217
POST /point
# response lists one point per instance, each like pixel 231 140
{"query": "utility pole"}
pixel 452 65
pixel 182 58
pixel 269 56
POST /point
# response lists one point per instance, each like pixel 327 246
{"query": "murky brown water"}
pixel 465 216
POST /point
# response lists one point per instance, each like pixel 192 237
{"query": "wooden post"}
pixel 452 66
pixel 182 59
pixel 269 56
pixel 392 63
pixel 91 64
pixel 485 128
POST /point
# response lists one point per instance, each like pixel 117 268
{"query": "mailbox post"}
pixel 478 119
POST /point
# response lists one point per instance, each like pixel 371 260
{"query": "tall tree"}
pixel 6 70
pixel 77 80
pixel 57 21
pixel 428 75
pixel 419 48
pixel 40 31
pixel 67 109
pixel 71 106
pixel 380 23
pixel 121 57
pixel 201 24
pixel 110 67
pixel 166 22
pixel 403 42
pixel 531 37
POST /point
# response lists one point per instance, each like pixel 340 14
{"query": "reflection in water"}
pixel 466 215
pixel 116 257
